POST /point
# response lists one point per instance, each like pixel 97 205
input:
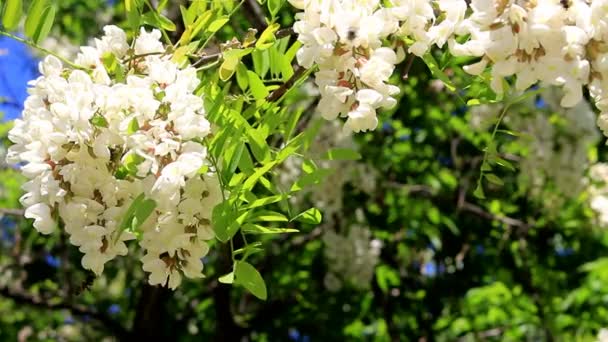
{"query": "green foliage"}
pixel 469 253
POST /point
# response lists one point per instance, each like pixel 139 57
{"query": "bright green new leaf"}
pixel 261 62
pixel 227 278
pixel 99 121
pixel 242 79
pixel 159 20
pixel 39 20
pixel 133 126
pixel 217 24
pixel 258 89
pixel 132 7
pixel 12 13
pixel 267 37
pixel 228 67
pixel 310 216
pixel 274 6
pixel 140 209
pixel 248 277
pixel 268 216
pixel 34 17
pixel 48 17
pixel 250 228
pixel 259 172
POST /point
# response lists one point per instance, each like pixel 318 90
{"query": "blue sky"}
pixel 17 67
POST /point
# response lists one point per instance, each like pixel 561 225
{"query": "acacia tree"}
pixel 160 142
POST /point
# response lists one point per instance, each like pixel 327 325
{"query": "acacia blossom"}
pixel 92 141
pixel 356 44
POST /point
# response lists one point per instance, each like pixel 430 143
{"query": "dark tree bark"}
pixel 226 328
pixel 151 314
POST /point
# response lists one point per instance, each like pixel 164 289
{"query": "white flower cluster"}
pixel 345 39
pixel 552 42
pixel 351 258
pixel 598 192
pixel 559 43
pixel 91 141
pixel 555 142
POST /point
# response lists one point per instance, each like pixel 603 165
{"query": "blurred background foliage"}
pixel 528 262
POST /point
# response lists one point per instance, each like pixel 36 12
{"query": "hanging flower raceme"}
pixel 344 38
pixel 349 41
pixel 125 128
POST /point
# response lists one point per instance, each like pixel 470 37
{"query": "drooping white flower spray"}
pixel 551 42
pixel 598 192
pixel 555 140
pixel 351 257
pixel 347 39
pixel 91 141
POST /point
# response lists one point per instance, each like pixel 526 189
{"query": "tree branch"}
pixel 11 211
pixel 28 299
pixel 255 14
pixel 280 91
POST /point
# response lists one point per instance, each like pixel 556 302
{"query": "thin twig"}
pixel 38 47
pixel 408 66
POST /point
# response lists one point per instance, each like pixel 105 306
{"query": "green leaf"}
pixel 269 216
pixel 267 37
pixel 248 277
pixel 258 89
pixel 161 5
pixel 259 172
pixel 132 7
pixel 227 278
pixel 500 161
pixel 473 102
pixel 314 177
pixel 274 6
pixel 217 24
pixel 159 20
pixel 99 121
pixel 436 71
pixel 492 178
pixel 310 216
pixel 258 229
pixel 222 218
pixel 34 17
pixel 341 154
pixel 387 277
pixel 133 126
pixel 261 62
pixel 241 76
pixel 48 17
pixel 12 13
pixel 228 67
pixel 478 193
pixel 260 202
pixel 129 166
pixel 140 209
pixel 39 20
